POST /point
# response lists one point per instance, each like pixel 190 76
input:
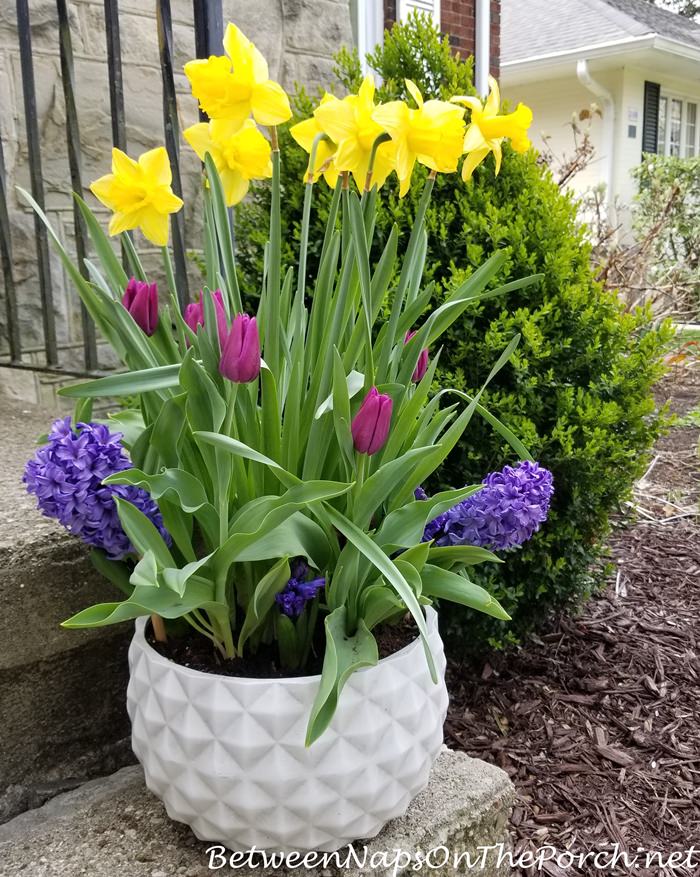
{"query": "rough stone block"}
pixel 61 692
pixel 115 826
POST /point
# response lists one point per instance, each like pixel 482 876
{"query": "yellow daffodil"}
pixel 139 194
pixel 349 123
pixel 240 154
pixel 305 133
pixel 234 86
pixel 488 129
pixel 432 134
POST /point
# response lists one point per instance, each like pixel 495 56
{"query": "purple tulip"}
pixel 240 356
pixel 194 315
pixel 370 426
pixel 422 364
pixel 141 300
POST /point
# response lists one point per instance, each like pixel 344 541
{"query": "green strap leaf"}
pixel 344 655
pixel 445 585
pixel 364 544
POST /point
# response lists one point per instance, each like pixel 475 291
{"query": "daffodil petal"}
pixel 472 161
pixel 102 189
pixel 235 187
pixel 473 139
pixel 493 101
pixel 414 91
pixel 270 104
pixel 156 165
pixel 154 226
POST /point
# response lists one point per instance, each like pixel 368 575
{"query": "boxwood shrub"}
pixel 578 392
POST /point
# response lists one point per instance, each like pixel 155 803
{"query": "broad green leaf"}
pixel 126 383
pixel 404 527
pixel 178 579
pixel 355 382
pixel 445 585
pixel 142 532
pixel 240 449
pixel 183 486
pixel 149 601
pixel 287 641
pixel 264 599
pixel 344 655
pixel 389 570
pixel 297 536
pixel 145 574
pixel 378 604
pixel 129 422
pixel 461 555
pixel 273 511
pixel 379 485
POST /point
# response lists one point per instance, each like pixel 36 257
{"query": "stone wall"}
pixel 298 37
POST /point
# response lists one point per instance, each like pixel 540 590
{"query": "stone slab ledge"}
pixel 115 826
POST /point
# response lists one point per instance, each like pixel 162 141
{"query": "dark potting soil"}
pixel 195 651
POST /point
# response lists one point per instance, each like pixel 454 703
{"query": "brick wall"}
pixel 458 21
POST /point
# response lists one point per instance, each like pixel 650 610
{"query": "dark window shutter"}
pixel 650 130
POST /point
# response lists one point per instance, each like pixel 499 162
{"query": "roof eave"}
pixel 511 69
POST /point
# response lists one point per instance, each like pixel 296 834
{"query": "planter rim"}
pixel 431 617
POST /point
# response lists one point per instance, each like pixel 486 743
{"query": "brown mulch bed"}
pixel 597 721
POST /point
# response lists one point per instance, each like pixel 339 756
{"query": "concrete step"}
pixel 62 692
pixel 114 827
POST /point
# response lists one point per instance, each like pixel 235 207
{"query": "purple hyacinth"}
pixel 66 477
pixel 297 592
pixel 503 514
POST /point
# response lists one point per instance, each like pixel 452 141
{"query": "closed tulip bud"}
pixel 194 316
pixel 370 426
pixel 141 300
pixel 240 357
pixel 422 364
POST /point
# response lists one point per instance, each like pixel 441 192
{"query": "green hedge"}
pixel 579 390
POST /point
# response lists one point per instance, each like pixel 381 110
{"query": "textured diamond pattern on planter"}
pixel 227 755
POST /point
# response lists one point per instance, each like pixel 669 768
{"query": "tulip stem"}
pixel 159 629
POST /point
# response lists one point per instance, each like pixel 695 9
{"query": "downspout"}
pixel 608 108
pixel 482 48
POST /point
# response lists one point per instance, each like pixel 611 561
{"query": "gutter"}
pixel 608 150
pixel 482 52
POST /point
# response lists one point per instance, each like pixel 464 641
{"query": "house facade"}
pixel 638 63
pixel 472 26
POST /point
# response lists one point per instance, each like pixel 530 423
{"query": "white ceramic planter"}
pixel 227 755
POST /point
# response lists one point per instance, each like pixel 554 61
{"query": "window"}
pixel 691 129
pixel 432 7
pixel 678 127
pixel 663 110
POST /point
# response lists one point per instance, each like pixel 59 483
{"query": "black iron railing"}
pixel 208 29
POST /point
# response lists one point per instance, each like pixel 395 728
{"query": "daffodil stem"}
pixel 174 303
pixel 383 138
pixel 272 299
pixel 308 192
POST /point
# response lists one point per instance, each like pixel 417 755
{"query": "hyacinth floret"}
pixel 66 477
pixel 298 591
pixel 506 512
